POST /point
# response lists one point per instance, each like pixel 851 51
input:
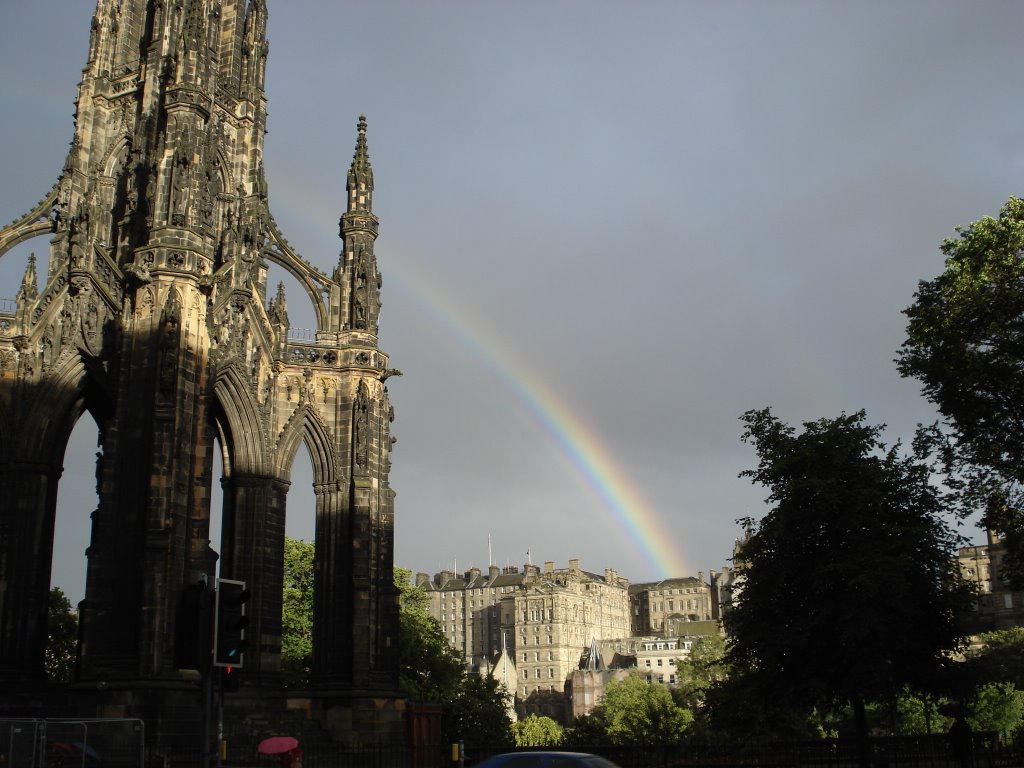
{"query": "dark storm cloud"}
pixel 668 212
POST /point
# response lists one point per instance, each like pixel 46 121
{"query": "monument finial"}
pixel 360 174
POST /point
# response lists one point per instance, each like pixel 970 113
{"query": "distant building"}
pixel 586 685
pixel 998 606
pixel 545 619
pixel 557 636
pixel 656 607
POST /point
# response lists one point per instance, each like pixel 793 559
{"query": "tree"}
pixel 537 731
pixel 62 638
pixel 965 343
pixel 429 668
pixel 297 611
pixel 850 589
pixel 587 731
pixel 702 668
pixel 478 714
pixel 998 658
pixel 917 713
pixel 998 707
pixel 635 711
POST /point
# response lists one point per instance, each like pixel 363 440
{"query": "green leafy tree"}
pixel 850 589
pixel 634 711
pixel 429 668
pixel 537 731
pixel 998 707
pixel 919 713
pixel 705 666
pixel 965 343
pixel 62 638
pixel 297 611
pixel 998 658
pixel 478 713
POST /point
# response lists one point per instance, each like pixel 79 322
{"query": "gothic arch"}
pixel 305 425
pixel 114 158
pixel 70 387
pixel 242 433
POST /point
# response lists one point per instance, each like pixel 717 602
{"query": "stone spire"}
pixel 357 268
pixel 360 174
pixel 29 285
pixel 279 307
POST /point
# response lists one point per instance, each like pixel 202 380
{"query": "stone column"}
pixel 252 543
pixel 333 611
pixel 29 494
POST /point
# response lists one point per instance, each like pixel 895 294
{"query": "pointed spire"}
pixel 360 174
pixel 279 307
pixel 29 284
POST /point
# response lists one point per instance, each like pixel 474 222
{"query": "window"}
pixel 551 673
pixel 659 662
pixel 647 663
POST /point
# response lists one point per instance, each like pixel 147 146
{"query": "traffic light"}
pixel 229 641
pixel 229 679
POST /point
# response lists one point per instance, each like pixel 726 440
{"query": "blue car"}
pixel 546 760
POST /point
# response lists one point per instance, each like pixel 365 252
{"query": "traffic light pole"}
pixel 220 720
pixel 207 674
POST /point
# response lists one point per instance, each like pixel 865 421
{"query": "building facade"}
pixel 998 605
pixel 544 618
pixel 656 607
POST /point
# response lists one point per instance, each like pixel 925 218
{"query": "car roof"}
pixel 545 759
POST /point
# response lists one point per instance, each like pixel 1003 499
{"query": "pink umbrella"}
pixel 275 745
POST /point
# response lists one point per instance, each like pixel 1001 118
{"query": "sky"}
pixel 607 230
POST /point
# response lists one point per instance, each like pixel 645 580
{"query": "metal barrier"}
pixel 66 743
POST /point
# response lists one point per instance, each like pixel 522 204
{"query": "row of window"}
pixel 684 605
pixel 536 656
pixel 671 662
pixel 539 673
pixel 661 679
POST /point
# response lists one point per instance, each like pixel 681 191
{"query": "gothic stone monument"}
pixel 153 315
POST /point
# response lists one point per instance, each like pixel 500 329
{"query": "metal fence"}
pixel 121 744
pixel 64 743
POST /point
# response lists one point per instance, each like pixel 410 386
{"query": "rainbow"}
pixel 580 447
